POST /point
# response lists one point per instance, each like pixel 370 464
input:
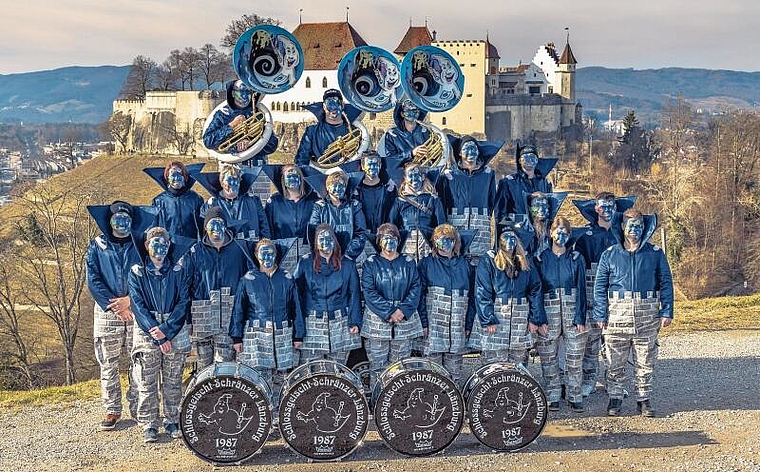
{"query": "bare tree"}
pixel 54 273
pixel 174 63
pixel 190 65
pixel 167 75
pixel 211 64
pixel 118 127
pixel 11 318
pixel 140 78
pixel 239 26
pixel 181 137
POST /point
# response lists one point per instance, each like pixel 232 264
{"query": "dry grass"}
pixel 711 314
pixel 63 396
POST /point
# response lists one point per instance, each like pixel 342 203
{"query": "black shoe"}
pixel 150 435
pixel 562 395
pixel 645 408
pixel 613 408
pixel 554 406
pixel 577 407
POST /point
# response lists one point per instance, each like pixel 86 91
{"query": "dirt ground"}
pixel 707 391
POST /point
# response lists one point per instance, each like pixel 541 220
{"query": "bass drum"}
pixel 507 406
pixel 226 415
pixel 418 409
pixel 323 411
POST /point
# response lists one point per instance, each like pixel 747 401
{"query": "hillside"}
pixel 70 94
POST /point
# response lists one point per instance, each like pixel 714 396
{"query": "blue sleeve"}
pixel 422 307
pixel 264 229
pixel 197 213
pixel 354 297
pixel 294 312
pixel 394 216
pixel 536 298
pixel 484 294
pixel 143 316
pixel 269 213
pixel 217 130
pixel 301 289
pixel 491 193
pixel 443 188
pixel 237 322
pixel 440 214
pixel 504 205
pixel 665 285
pixel 412 299
pixel 471 309
pixel 601 284
pixel 303 155
pixel 372 296
pixel 98 289
pixel 314 221
pixel 269 147
pixel 392 151
pixel 359 238
pixel 176 321
pixel 579 267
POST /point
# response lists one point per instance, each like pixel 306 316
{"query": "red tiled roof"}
pixel 415 36
pixel 325 44
pixel 567 56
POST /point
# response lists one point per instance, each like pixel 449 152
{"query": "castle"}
pixel 526 102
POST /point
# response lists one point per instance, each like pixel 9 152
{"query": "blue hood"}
pixel 157 174
pixel 487 149
pixel 318 180
pixel 400 121
pixel 522 228
pixel 316 109
pixel 650 226
pixel 467 236
pixel 555 202
pixel 180 246
pixel 143 217
pixel 210 180
pixel 544 166
pixel 587 207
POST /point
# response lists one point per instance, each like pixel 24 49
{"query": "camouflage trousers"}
pixel 644 350
pixel 513 356
pixel 548 349
pixel 216 348
pixel 108 351
pixel 453 363
pixel 382 353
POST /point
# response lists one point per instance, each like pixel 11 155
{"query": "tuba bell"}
pixel 268 60
pixel 369 78
pixel 433 81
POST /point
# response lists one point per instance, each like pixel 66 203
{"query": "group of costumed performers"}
pixel 384 253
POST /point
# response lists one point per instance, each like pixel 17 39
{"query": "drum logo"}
pixel 231 422
pixel 422 414
pixel 326 418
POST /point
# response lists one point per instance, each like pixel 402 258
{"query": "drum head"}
pixel 418 411
pixel 507 407
pixel 226 419
pixel 324 416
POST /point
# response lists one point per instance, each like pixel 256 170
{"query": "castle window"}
pixel 372 116
pixel 551 89
pixel 469 95
pixel 473 65
pixel 324 82
pixel 278 106
pixel 308 82
pixel 292 106
pixel 285 106
pixel 443 121
pixel 271 107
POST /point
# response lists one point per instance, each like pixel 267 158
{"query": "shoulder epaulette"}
pixel 137 269
pixel 655 247
pixel 575 255
pixel 101 242
pixel 249 276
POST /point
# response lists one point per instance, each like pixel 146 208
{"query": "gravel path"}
pixel 707 388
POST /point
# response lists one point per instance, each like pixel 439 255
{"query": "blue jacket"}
pixel 397 143
pixel 390 285
pixel 286 218
pixel 461 189
pixel 592 240
pixel 538 244
pixel 214 268
pixel 317 137
pixel 376 201
pixel 178 211
pixel 406 215
pixel 510 189
pixel 263 298
pixel 450 274
pixel 490 283
pixel 566 271
pixel 329 290
pixel 644 270
pixel 165 292
pixel 218 130
pixel 245 208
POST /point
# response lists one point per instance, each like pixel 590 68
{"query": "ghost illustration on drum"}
pixel 327 418
pixel 420 413
pixel 511 412
pixel 230 421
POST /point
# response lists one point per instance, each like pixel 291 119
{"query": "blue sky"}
pixel 46 34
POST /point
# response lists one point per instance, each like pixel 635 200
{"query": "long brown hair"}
pixel 511 263
pixel 449 230
pixel 539 226
pixel 265 242
pixel 285 169
pixel 182 169
pixel 337 254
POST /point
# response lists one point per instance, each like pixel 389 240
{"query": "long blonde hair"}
pixel 449 230
pixel 511 263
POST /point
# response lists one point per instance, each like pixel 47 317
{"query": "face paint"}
pixel 415 178
pixel 389 243
pixel 634 229
pixel 231 184
pixel 176 179
pixel 215 229
pixel 539 208
pixel 337 189
pixel 371 167
pixel 266 256
pixel 292 180
pixel 121 224
pixel 561 236
pixel 158 248
pixel 242 95
pixel 445 245
pixel 470 152
pixel 508 241
pixel 528 161
pixel 605 209
pixel 325 242
pixel 333 107
pixel 409 111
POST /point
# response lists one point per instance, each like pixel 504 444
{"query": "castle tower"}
pixel 566 74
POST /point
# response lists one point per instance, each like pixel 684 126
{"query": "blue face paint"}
pixel 528 161
pixel 415 178
pixel 266 256
pixel 231 183
pixel 445 244
pixel 158 248
pixel 121 224
pixel 409 111
pixel 561 236
pixel 606 209
pixel 539 208
pixel 176 179
pixel 242 95
pixel 215 229
pixel 470 152
pixel 325 242
pixel 508 241
pixel 337 189
pixel 334 106
pixel 292 180
pixel 389 243
pixel 634 229
pixel 371 167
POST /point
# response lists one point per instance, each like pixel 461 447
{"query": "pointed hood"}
pixel 180 245
pixel 555 202
pixel 544 166
pixel 650 226
pixel 399 121
pixel 143 217
pixel 466 236
pixel 210 180
pixel 317 181
pixel 396 172
pixel 157 174
pixel 520 224
pixel 486 149
pixel 316 109
pixel 587 208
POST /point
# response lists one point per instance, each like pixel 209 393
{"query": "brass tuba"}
pixel 269 60
pixel 345 148
pixel 433 81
